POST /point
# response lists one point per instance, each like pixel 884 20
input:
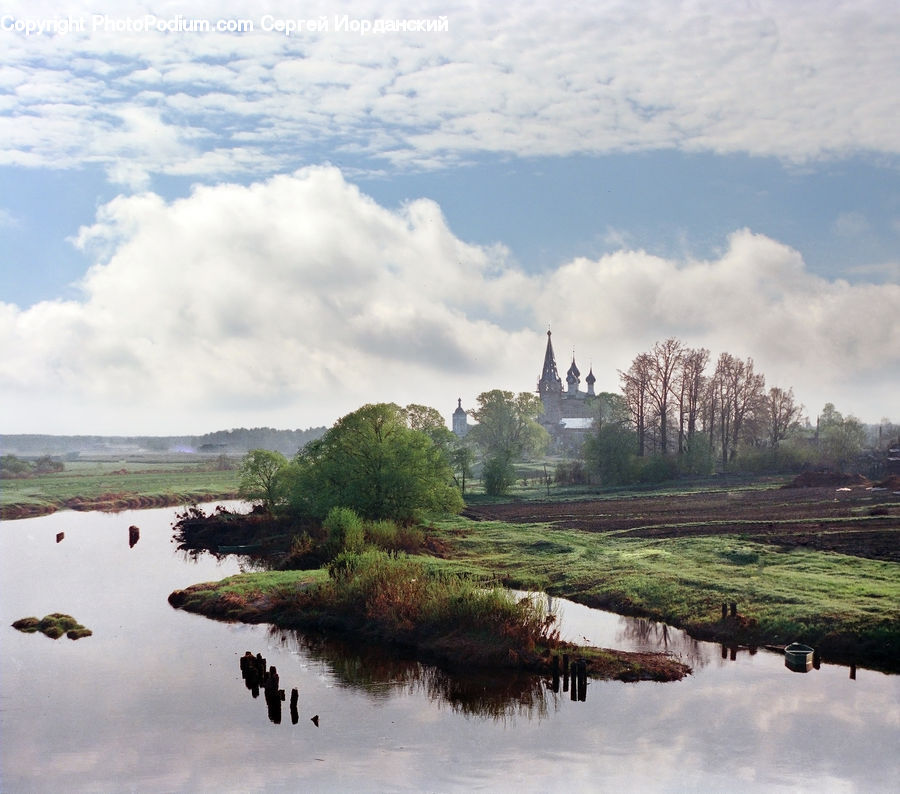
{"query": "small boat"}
pixel 798 657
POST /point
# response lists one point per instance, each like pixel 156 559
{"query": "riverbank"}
pixel 112 487
pixel 814 565
pixel 467 628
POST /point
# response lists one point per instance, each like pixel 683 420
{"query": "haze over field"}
pixel 220 229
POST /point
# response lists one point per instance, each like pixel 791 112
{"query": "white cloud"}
pixel 292 301
pixel 778 79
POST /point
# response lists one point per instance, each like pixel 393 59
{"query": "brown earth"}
pixel 849 519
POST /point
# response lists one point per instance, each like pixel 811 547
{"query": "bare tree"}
pixel 664 359
pixel 634 386
pixel 782 412
pixel 691 385
pixel 737 392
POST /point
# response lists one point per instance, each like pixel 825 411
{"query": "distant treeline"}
pixel 235 441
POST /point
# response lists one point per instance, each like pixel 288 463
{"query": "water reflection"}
pixel 68 712
pixel 379 672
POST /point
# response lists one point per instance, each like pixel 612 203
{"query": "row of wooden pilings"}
pixel 576 670
pixel 256 677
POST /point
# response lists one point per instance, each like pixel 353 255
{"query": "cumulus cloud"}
pixel 294 300
pixel 536 79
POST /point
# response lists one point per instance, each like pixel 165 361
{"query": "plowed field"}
pixel 858 521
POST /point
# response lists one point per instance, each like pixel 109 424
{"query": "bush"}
pixel 345 530
pixel 400 599
pixel 498 475
pixel 382 534
pixel 573 473
pixel 657 468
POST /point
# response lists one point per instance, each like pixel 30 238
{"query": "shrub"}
pixel 389 536
pixel 573 473
pixel 382 534
pixel 345 530
pixel 498 475
pixel 657 468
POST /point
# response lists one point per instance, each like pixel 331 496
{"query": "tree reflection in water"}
pixel 377 671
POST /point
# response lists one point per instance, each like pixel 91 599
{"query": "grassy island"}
pixel 53 626
pixel 406 602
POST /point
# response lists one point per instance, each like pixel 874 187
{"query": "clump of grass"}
pixel 390 536
pixel 54 626
pixel 345 530
pixel 396 598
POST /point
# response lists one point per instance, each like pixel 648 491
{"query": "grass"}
pixel 416 604
pixel 841 604
pixel 53 626
pixel 104 486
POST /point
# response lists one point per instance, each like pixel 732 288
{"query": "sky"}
pixel 217 215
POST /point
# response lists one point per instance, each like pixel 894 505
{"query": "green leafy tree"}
pixel 430 421
pixel 462 456
pixel 260 477
pixel 498 474
pixel 507 425
pixel 372 462
pixel 609 452
pixel 841 438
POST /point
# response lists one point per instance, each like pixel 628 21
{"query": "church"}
pixel 568 412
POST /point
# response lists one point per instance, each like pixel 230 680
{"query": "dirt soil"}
pixel 809 517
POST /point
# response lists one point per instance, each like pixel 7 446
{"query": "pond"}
pixel 154 700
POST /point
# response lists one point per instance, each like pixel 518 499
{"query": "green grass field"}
pixel 103 484
pixel 844 603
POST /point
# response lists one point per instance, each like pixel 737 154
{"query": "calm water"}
pixel 154 701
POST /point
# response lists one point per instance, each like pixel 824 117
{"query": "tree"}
pixel 841 438
pixel 691 386
pixel 461 459
pixel 782 413
pixel 374 463
pixel 507 424
pixel 259 477
pixel 498 474
pixel 609 450
pixel 431 422
pixel 664 361
pixel 736 392
pixel 634 386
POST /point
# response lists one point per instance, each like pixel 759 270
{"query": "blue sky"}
pixel 213 229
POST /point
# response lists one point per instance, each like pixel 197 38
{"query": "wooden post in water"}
pixel 555 670
pixel 733 609
pixel 724 610
pixel 565 672
pixel 724 651
pixel 295 714
pixel 60 536
pixel 134 535
pixel 853 672
pixel 574 674
pixel 582 680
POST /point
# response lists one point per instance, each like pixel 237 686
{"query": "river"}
pixel 154 700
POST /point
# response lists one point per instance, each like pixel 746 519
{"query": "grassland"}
pixel 800 565
pixel 116 485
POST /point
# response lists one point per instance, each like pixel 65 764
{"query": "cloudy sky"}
pixel 203 229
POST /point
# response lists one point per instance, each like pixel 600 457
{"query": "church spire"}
pixel 550 380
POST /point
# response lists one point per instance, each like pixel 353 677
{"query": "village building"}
pixel 568 413
pixel 460 420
